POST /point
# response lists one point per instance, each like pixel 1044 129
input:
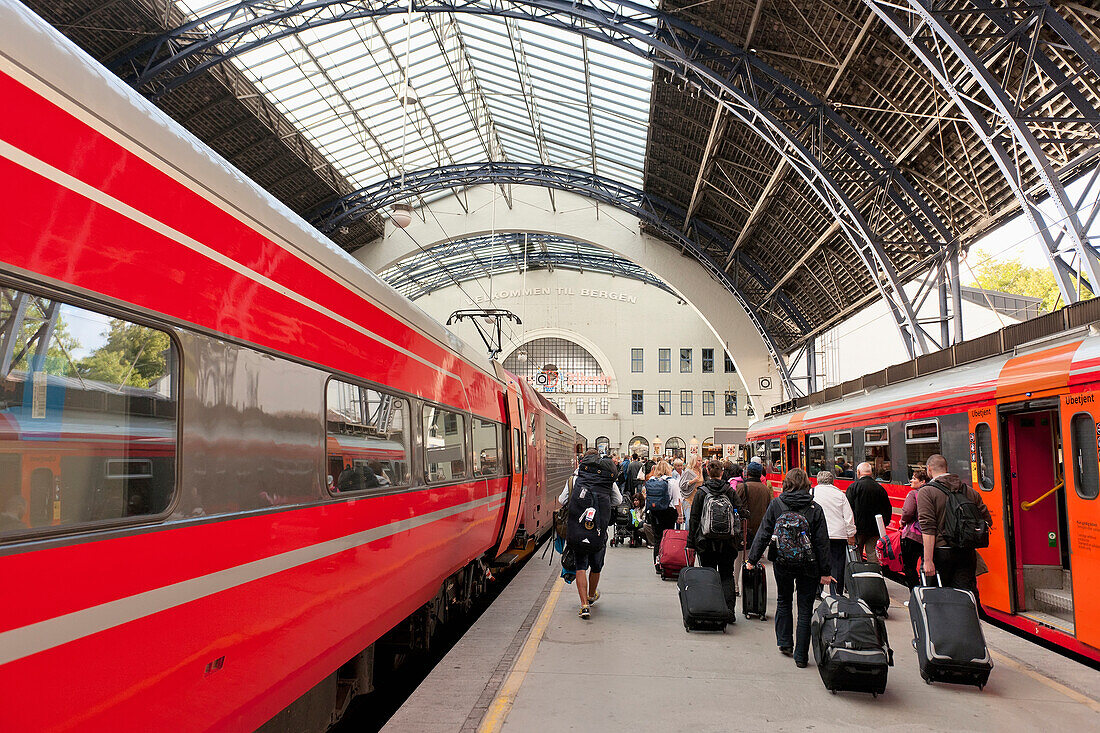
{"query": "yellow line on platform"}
pixel 1069 692
pixel 502 704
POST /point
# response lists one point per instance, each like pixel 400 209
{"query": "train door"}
pixel 1036 512
pixel 1081 536
pixel 792 457
pixel 987 476
pixel 513 502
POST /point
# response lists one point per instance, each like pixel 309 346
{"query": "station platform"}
pixel 530 664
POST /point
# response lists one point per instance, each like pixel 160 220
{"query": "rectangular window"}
pixel 368 438
pixel 664 360
pixel 708 361
pixel 775 457
pixel 876 451
pixel 922 439
pixel 487 447
pixel 815 449
pixel 444 445
pixel 88 412
pixel 518 449
pixel 636 403
pixel 708 403
pixel 636 360
pixel 605 405
pixel 664 402
pixel 591 405
pixel 730 368
pixel 983 439
pixel 1086 472
pixel 580 405
pixel 731 403
pixel 843 455
pixel 685 361
pixel 687 402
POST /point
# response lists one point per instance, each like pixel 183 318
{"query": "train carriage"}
pixel 185 363
pixel 1015 413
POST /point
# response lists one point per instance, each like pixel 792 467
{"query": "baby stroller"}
pixel 624 525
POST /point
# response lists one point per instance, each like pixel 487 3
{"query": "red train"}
pixel 231 461
pixel 1016 413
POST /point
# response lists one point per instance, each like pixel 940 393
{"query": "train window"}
pixel 1086 472
pixel 922 439
pixel 843 455
pixel 444 444
pixel 984 448
pixel 487 448
pixel 367 438
pixel 88 415
pixel 775 457
pixel 815 446
pixel 876 451
pixel 517 451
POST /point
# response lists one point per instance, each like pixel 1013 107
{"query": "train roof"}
pixel 960 384
pixel 39 50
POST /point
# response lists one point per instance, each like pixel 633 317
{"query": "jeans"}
pixel 661 519
pixel 722 561
pixel 838 560
pixel 785 587
pixel 957 568
pixel 911 553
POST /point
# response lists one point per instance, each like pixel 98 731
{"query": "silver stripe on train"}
pixel 60 177
pixel 38 637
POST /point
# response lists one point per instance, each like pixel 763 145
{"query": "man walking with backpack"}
pixel 589 497
pixel 954 524
pixel 714 530
pixel 801 560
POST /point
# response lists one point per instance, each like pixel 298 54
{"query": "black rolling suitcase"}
pixel 754 587
pixel 701 599
pixel 948 636
pixel 850 646
pixel 864 580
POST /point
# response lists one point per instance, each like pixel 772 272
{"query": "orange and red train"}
pixel 186 363
pixel 1016 413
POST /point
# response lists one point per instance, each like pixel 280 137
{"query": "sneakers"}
pixel 593 598
pixel 584 613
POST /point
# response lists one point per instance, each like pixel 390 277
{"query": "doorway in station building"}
pixel 1037 535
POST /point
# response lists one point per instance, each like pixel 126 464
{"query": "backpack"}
pixel 718 520
pixel 964 527
pixel 561 516
pixel 657 495
pixel 584 526
pixel 793 550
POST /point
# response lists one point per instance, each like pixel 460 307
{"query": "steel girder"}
pixel 826 151
pixel 943 36
pixel 463 260
pixel 662 216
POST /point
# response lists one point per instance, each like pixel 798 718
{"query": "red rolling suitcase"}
pixel 674 555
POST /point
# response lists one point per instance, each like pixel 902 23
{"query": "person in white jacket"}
pixel 841 523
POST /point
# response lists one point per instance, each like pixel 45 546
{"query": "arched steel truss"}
pixel 472 258
pixel 832 156
pixel 665 218
pixel 1036 44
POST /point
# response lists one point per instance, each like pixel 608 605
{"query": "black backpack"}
pixel 964 527
pixel 584 526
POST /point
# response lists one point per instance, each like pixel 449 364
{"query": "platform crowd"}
pixel 682 513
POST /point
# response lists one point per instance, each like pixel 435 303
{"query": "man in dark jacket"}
pixel 957 567
pixel 868 499
pixel 754 496
pixel 717 553
pixel 806 580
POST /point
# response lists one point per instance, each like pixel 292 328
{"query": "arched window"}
pixel 557 365
pixel 639 445
pixel 603 445
pixel 676 448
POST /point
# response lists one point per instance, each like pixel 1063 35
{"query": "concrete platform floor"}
pixel 530 664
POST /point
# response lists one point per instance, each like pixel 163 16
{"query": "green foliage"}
pixel 133 355
pixel 1011 276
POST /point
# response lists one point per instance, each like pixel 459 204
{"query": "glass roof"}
pixel 484 88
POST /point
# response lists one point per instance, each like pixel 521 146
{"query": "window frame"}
pixel 690 402
pixel 725 403
pixel 686 362
pixel 978 453
pixel 704 358
pixel 876 443
pixel 664 361
pixel 917 441
pixel 1077 472
pixel 727 364
pixel 664 397
pixel 605 405
pixel 468 477
pixel 708 405
pixel 136 319
pixel 409 441
pixel 499 428
pixel 640 395
pixel 637 358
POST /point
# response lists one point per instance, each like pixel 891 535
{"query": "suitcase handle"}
pixel 924 580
